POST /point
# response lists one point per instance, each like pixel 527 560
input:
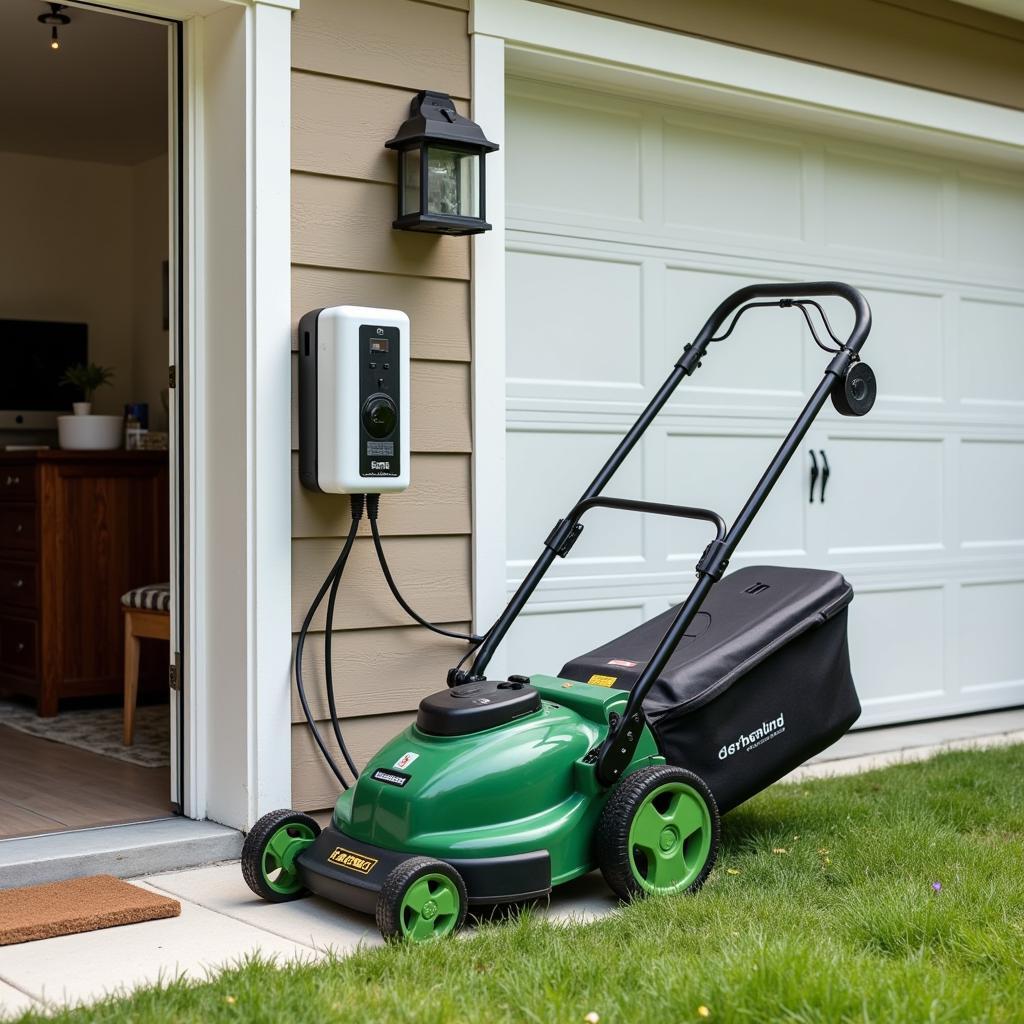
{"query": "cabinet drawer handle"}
pixel 13 481
pixel 19 528
pixel 20 647
pixel 18 584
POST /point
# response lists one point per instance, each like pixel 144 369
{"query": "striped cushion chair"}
pixel 147 614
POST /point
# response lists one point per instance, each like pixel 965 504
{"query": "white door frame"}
pixel 237 376
pixel 556 44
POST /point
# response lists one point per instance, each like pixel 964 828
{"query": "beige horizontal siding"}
pixel 414 661
pixel 313 785
pixel 337 130
pixel 440 406
pixel 933 44
pixel 438 310
pixel 337 222
pixel 432 573
pixel 438 501
pixel 356 66
pixel 396 42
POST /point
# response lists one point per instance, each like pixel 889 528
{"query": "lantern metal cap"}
pixel 433 118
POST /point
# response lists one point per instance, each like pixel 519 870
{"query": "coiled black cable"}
pixel 330 583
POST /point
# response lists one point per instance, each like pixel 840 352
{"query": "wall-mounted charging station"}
pixel 354 400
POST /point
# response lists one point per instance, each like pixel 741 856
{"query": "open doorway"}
pixel 87 324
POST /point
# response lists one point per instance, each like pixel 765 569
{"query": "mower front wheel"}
pixel 422 899
pixel 269 852
pixel 658 833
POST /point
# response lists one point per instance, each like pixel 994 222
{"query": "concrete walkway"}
pixel 221 921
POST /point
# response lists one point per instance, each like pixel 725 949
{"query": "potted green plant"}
pixel 83 430
pixel 87 378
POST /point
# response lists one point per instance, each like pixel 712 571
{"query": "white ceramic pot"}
pixel 97 433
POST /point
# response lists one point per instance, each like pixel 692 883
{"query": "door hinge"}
pixel 173 672
pixel 172 376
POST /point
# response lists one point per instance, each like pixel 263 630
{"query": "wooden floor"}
pixel 49 787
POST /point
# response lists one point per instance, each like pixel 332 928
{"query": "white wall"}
pixel 84 241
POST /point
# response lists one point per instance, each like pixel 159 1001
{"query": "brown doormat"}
pixel 78 905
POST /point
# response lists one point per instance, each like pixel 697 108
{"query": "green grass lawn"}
pixel 822 908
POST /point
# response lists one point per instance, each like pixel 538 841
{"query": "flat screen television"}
pixel 33 357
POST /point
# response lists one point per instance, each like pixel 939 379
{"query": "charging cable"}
pixel 329 588
pixel 372 508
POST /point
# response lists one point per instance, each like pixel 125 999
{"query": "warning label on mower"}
pixel 602 680
pixel 352 861
pixel 406 759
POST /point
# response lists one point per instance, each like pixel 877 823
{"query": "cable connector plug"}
pixel 358 503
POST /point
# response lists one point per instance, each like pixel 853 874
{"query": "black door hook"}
pixel 814 473
pixel 825 471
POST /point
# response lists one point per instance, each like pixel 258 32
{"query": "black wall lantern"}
pixel 440 169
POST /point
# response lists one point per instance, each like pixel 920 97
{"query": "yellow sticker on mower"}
pixel 352 861
pixel 602 680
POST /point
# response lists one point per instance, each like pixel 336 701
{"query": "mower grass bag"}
pixel 760 682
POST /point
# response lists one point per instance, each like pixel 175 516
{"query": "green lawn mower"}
pixel 505 788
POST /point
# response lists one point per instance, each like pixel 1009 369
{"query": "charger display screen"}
pixel 379 344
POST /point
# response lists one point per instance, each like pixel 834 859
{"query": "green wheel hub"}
pixel 669 838
pixel 430 908
pixel 278 862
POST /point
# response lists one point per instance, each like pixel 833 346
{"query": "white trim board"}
pixel 546 42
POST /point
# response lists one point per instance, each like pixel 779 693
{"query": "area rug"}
pixel 99 731
pixel 77 905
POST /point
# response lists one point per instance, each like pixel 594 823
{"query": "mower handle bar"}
pixel 564 535
pixel 861 312
pixel 619 745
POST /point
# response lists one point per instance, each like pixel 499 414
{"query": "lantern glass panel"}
pixel 453 182
pixel 411 181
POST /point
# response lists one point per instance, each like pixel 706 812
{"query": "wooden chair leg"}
pixel 131 678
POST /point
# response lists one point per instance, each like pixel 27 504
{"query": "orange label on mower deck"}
pixel 352 861
pixel 602 680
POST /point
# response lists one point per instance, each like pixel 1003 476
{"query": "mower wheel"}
pixel 422 899
pixel 269 852
pixel 658 833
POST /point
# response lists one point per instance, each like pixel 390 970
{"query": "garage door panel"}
pixel 719 472
pixel 991 336
pixel 619 251
pixel 605 148
pixel 724 182
pixel 764 356
pixel 906 346
pixel 990 227
pixel 896 647
pixel 882 206
pixel 543 639
pixel 884 496
pixel 991 641
pixel 548 471
pixel 573 323
pixel 991 494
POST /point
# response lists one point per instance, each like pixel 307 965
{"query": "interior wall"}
pixel 85 241
pixel 150 339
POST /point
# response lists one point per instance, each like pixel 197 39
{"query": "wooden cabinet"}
pixel 77 529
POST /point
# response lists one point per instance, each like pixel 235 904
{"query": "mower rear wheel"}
pixel 269 852
pixel 422 899
pixel 658 833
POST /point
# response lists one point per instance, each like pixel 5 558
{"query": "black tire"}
pixel 620 861
pixel 397 921
pixel 299 826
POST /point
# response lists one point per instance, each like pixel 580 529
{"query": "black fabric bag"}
pixel 760 683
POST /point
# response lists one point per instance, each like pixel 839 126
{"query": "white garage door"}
pixel 627 223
